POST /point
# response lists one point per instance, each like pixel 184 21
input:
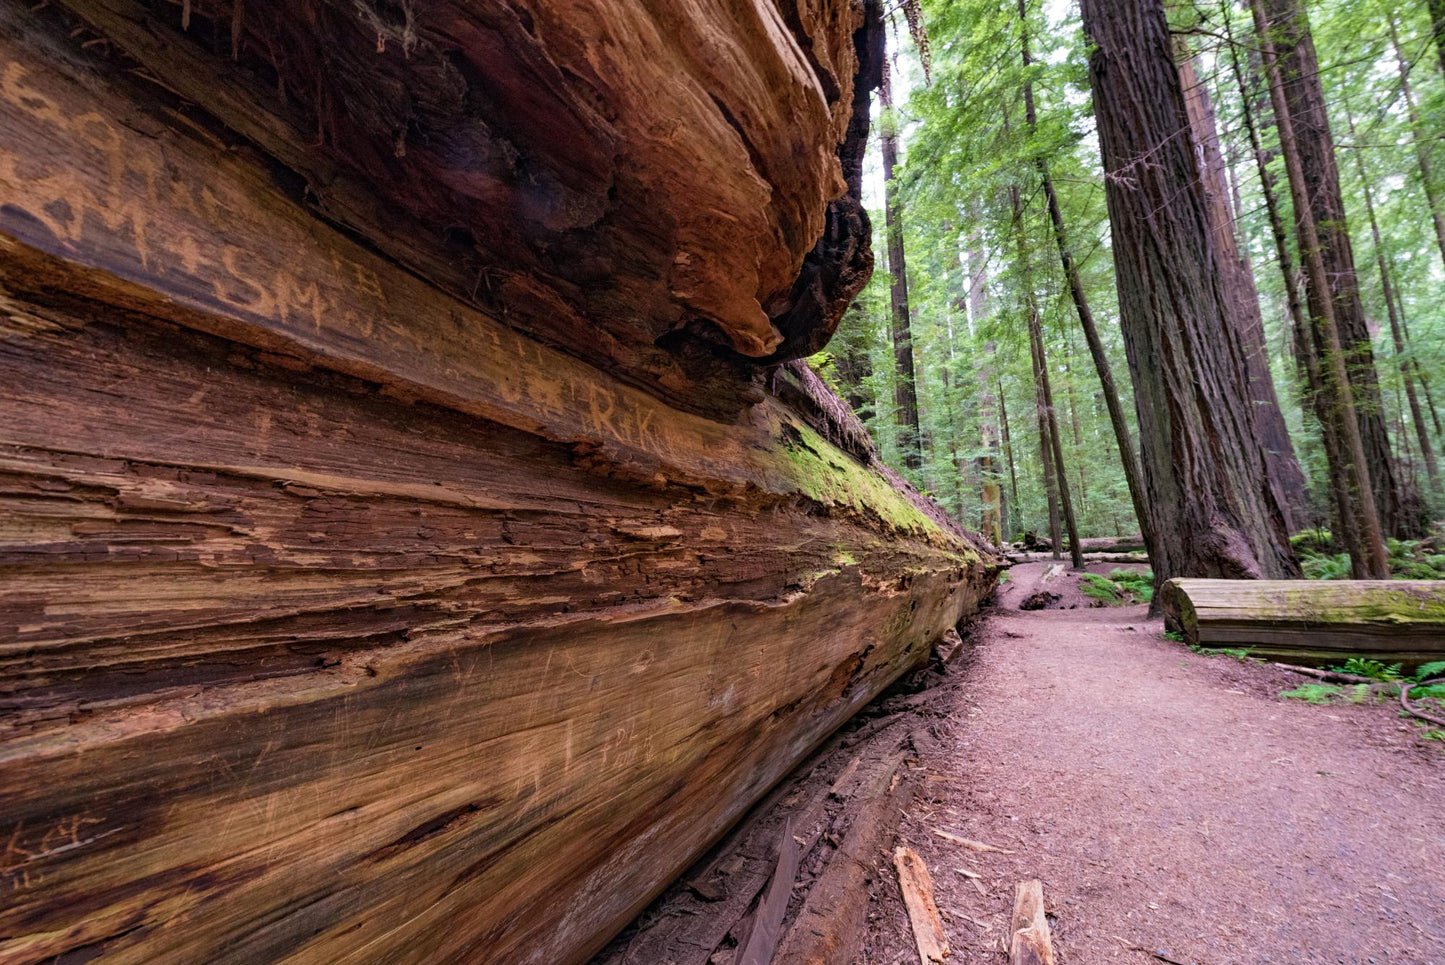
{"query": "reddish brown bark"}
pixel 1215 510
pixel 1399 508
pixel 1370 553
pixel 1239 283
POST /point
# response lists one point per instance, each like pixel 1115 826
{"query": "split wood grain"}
pixel 1029 940
pixel 916 884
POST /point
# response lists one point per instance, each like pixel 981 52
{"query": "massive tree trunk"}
pixel 905 388
pixel 1399 508
pixel 1239 283
pixel 375 586
pixel 1214 508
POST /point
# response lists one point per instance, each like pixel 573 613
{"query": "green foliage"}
pixel 1139 583
pixel 1119 587
pixel 1175 636
pixel 1238 653
pixel 1312 541
pixel 1313 693
pixel 1374 669
pixel 1101 588
pixel 1435 668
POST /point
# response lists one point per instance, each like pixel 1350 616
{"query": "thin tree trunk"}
pixel 992 516
pixel 1398 506
pixel 1008 451
pixel 1427 454
pixel 905 390
pixel 1050 442
pixel 1239 282
pixel 1342 394
pixel 1214 509
pixel 1422 140
pixel 1415 366
pixel 1086 321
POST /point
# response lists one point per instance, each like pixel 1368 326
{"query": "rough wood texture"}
pixel 1029 942
pixel 1312 622
pixel 916 885
pixel 342 621
pixel 1214 509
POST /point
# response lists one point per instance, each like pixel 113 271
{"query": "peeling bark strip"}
pixel 340 620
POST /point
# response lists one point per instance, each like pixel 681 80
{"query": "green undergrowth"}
pixel 1429 695
pixel 1120 588
pixel 1409 559
pixel 1238 653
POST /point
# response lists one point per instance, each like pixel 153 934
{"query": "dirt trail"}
pixel 1171 801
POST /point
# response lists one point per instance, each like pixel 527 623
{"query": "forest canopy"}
pixel 991 211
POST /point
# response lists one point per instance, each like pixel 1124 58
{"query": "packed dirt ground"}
pixel 1173 805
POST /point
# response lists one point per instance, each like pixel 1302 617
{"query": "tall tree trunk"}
pixel 905 389
pixel 1342 396
pixel 1306 351
pixel 1422 139
pixel 1437 30
pixel 992 516
pixel 1399 508
pixel 1387 288
pixel 1415 366
pixel 1049 440
pixel 1008 452
pixel 1086 321
pixel 1239 283
pixel 1215 510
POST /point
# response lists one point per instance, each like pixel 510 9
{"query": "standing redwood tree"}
pixel 905 389
pixel 1214 507
pixel 1399 509
pixel 1239 282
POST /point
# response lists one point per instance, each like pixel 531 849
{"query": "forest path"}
pixel 1172 802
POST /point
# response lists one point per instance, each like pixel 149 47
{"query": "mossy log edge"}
pixel 1311 622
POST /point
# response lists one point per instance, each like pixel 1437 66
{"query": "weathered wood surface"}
pixel 1028 930
pixel 342 621
pixel 1312 622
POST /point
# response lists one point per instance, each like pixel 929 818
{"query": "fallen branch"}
pixel 917 887
pixel 969 843
pixel 1329 676
pixel 1411 708
pixel 767 925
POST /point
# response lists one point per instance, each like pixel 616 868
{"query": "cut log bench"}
pixel 1312 622
pixel 418 537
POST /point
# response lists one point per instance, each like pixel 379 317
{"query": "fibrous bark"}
pixel 1239 284
pixel 1344 412
pixel 343 617
pixel 1215 511
pixel 1398 507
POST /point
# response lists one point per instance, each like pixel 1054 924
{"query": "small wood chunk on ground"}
pixel 917 887
pixel 1029 942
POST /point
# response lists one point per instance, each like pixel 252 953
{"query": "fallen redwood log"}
pixel 1312 622
pixel 414 550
